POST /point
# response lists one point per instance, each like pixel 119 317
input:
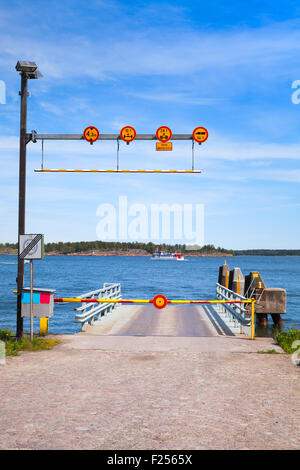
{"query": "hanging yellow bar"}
pixel 59 170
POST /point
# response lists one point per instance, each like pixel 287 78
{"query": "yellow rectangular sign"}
pixel 164 146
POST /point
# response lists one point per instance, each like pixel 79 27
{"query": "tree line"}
pixel 81 247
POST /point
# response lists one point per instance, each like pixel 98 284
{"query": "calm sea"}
pixel 140 277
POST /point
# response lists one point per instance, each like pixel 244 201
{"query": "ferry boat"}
pixel 167 256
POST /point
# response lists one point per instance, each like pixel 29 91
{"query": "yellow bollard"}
pixel 44 324
pixel 227 280
pixel 238 285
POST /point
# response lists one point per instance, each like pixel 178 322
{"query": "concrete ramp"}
pixel 174 320
pixel 177 328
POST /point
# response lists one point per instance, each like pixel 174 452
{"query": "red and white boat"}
pixel 167 256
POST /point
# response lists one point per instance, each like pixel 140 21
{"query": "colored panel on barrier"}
pixel 26 298
pixel 45 298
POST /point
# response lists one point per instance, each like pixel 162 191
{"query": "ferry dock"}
pixel 183 375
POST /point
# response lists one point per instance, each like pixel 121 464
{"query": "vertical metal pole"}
pixel 193 155
pixel 42 165
pixel 31 300
pixel 118 149
pixel 22 194
pixel 252 318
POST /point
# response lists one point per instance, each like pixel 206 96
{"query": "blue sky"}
pixel 228 66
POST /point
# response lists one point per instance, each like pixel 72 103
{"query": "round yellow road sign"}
pixel 128 134
pixel 200 134
pixel 163 133
pixel 159 301
pixel 91 134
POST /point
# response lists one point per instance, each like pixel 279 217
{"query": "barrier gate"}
pixel 159 301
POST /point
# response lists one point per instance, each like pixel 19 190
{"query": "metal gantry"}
pixel 29 70
pixel 34 137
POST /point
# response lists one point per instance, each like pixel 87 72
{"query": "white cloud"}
pixel 178 98
pixel 283 175
pixel 149 51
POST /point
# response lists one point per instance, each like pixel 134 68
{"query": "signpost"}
pixel 128 134
pixel 163 134
pixel 200 134
pixel 31 247
pixel 91 134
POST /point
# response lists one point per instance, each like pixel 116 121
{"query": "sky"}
pixel 231 67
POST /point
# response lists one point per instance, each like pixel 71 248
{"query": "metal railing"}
pixel 237 316
pixel 90 312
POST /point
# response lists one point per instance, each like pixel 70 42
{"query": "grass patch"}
pixel 12 347
pixel 269 351
pixel 285 340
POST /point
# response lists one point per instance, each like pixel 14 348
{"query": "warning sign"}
pixel 164 146
pixel 31 246
pixel 128 134
pixel 91 134
pixel 200 134
pixel 163 133
pixel 160 301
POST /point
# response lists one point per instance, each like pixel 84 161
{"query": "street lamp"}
pixel 28 70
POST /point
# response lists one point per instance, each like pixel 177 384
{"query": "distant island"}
pixel 101 248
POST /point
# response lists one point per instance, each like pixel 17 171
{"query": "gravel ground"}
pixel 75 397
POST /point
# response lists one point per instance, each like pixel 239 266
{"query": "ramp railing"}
pixel 238 317
pixel 90 312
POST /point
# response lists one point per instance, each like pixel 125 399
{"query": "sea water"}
pixel 142 278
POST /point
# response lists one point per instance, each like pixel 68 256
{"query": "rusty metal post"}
pixel 22 196
pixel 31 300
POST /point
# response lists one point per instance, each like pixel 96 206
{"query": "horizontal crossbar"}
pixel 34 137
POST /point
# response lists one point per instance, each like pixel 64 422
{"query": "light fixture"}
pixel 27 67
pixel 36 74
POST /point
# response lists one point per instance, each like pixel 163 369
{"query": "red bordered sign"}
pixel 91 134
pixel 163 133
pixel 128 134
pixel 160 301
pixel 200 134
